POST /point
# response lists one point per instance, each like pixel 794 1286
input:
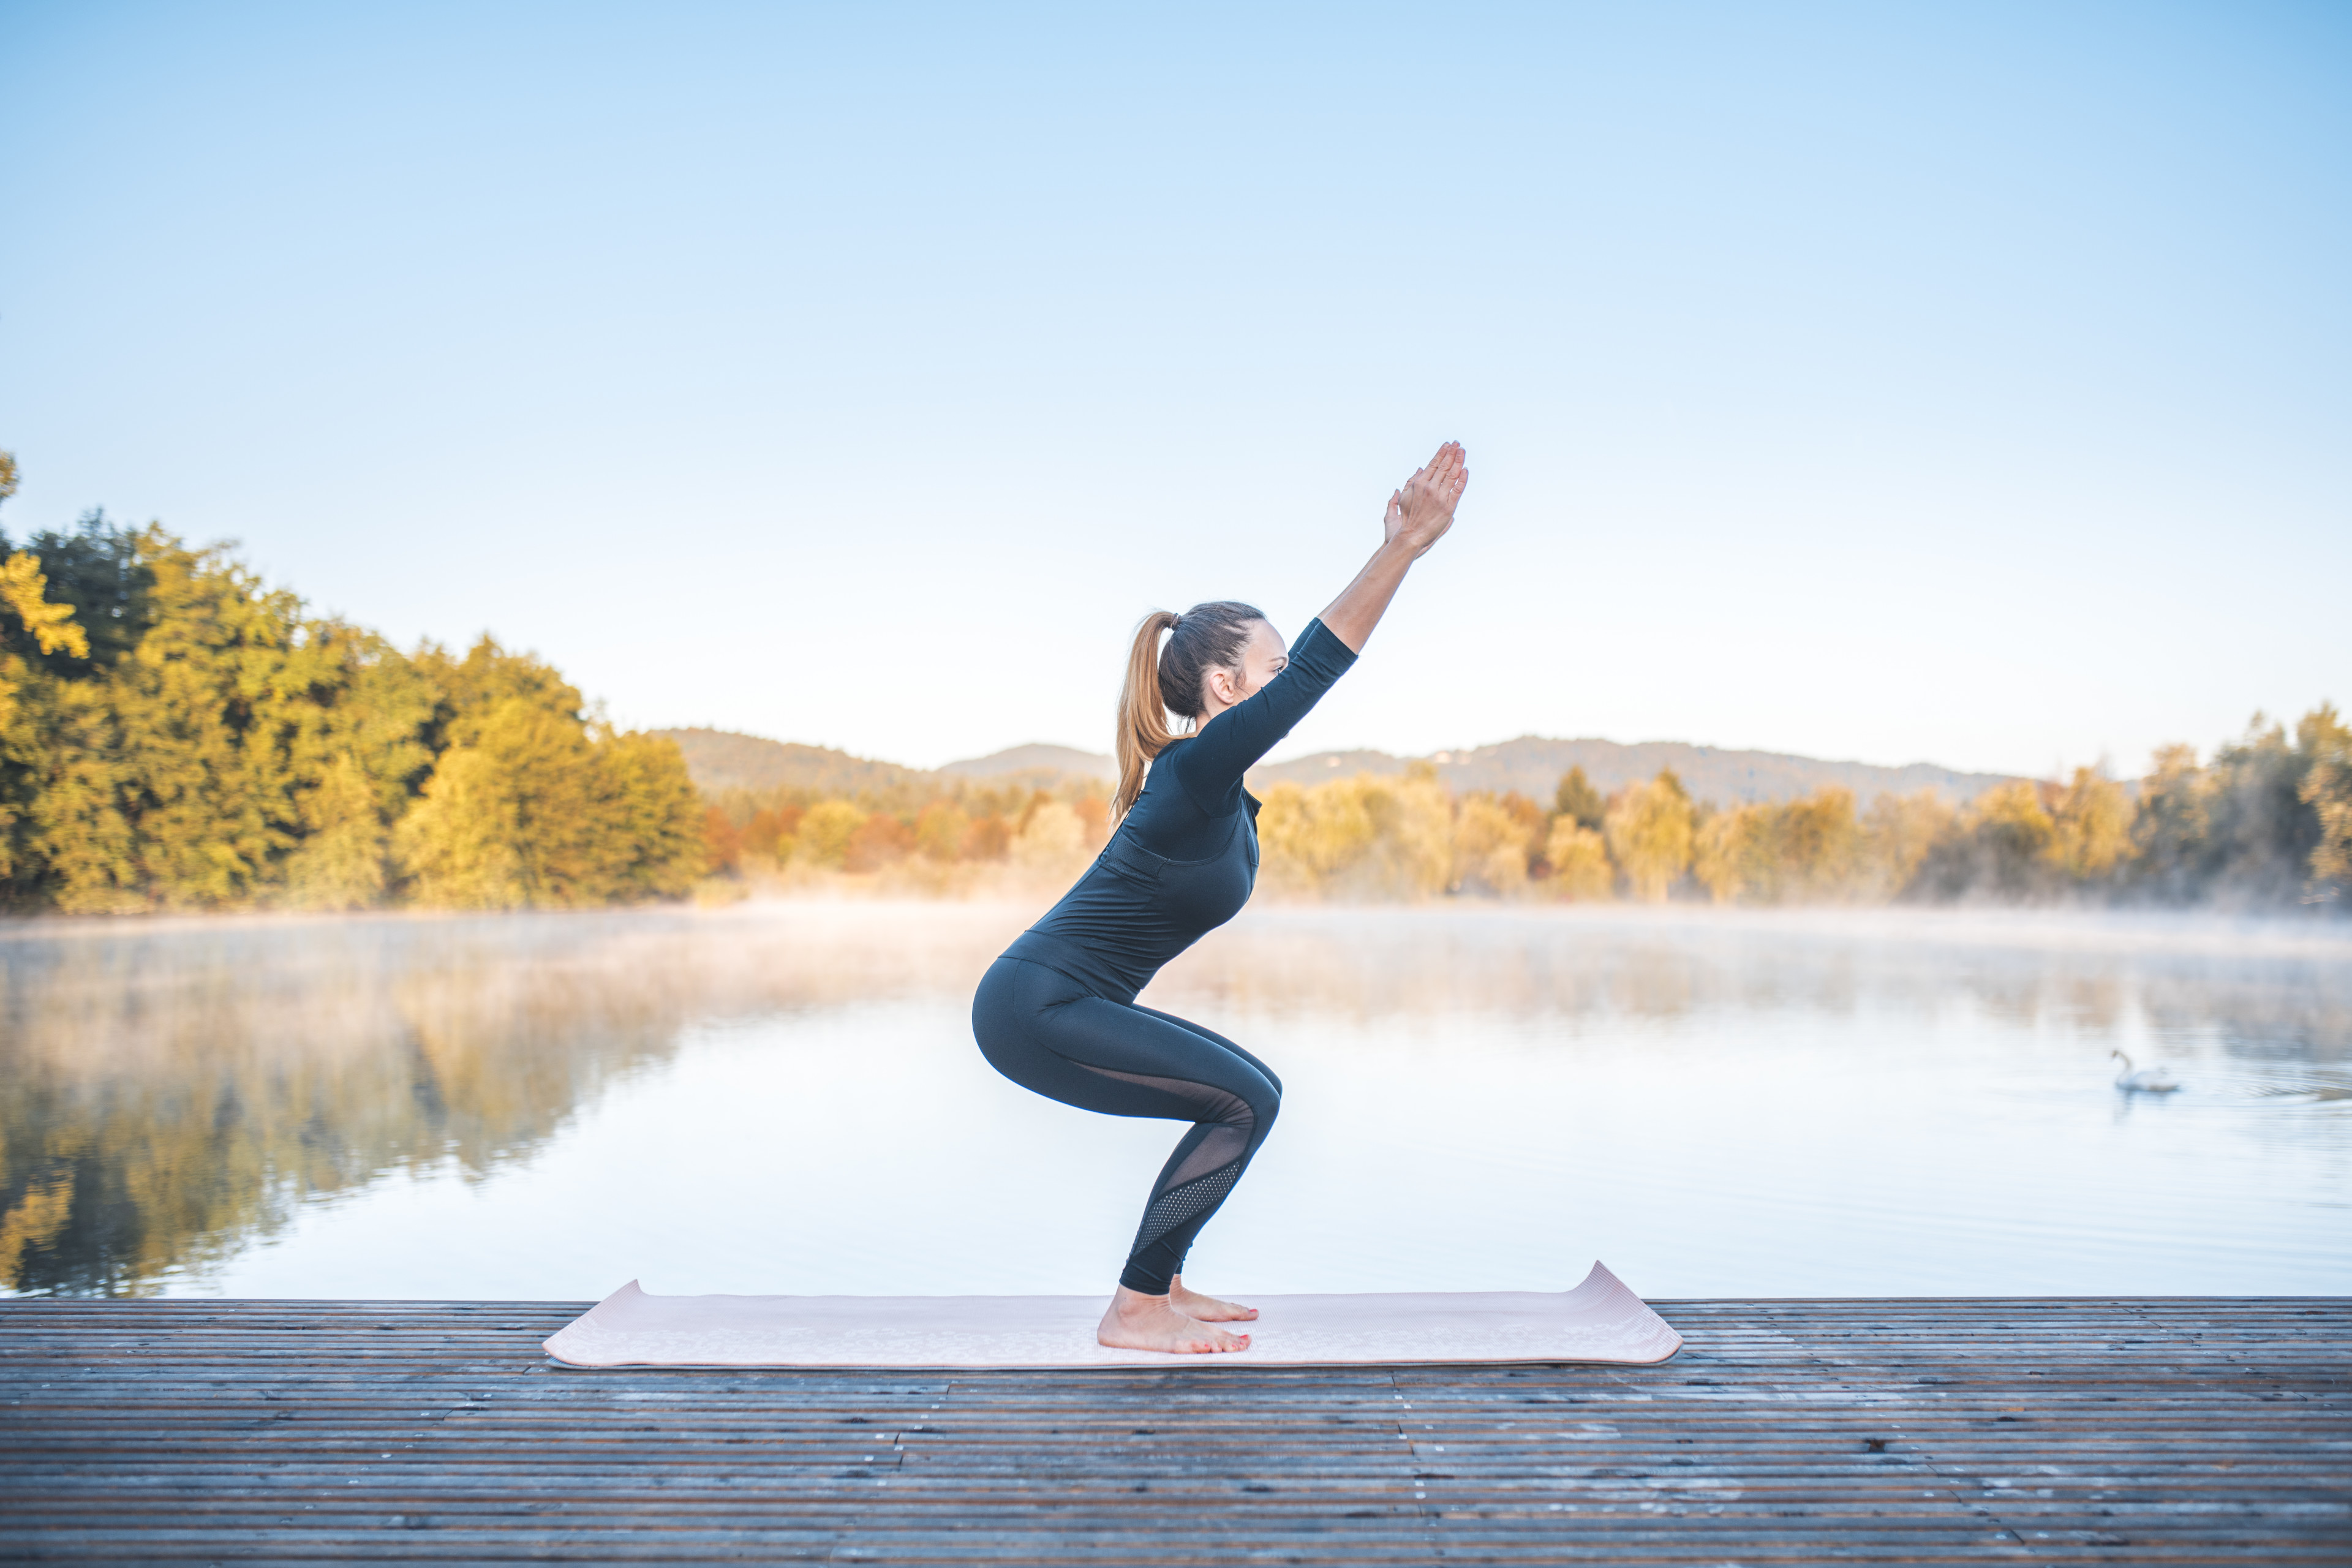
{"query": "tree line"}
pixel 2265 823
pixel 176 735
pixel 923 840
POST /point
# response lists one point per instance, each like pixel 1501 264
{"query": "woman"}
pixel 1057 1013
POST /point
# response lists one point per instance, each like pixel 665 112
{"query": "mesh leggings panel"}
pixel 1048 1034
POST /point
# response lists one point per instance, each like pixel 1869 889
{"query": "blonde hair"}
pixel 1206 637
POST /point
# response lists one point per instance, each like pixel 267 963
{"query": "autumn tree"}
pixel 1898 833
pixel 941 829
pixel 1361 838
pixel 2327 789
pixel 1722 850
pixel 882 839
pixel 1579 858
pixel 1053 842
pixel 1490 850
pixel 536 810
pixel 2090 823
pixel 1650 828
pixel 826 831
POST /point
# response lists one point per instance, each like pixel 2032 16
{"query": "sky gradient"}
pixel 1966 383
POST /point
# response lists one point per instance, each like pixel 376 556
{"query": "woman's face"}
pixel 1263 658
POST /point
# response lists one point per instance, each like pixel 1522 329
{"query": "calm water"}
pixel 787 1099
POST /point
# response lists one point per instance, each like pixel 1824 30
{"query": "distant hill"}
pixel 1532 765
pixel 723 760
pixel 1035 757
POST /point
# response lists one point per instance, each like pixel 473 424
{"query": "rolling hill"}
pixel 723 760
pixel 1533 765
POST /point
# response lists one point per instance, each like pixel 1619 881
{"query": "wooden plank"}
pixel 2175 1430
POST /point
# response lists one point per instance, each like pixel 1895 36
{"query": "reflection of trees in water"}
pixel 166 1105
pixel 168 1094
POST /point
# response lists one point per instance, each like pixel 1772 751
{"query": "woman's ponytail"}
pixel 1143 732
pixel 1210 636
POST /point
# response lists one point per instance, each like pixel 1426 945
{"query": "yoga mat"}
pixel 1600 1321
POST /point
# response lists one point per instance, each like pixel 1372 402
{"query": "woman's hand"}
pixel 1418 517
pixel 1421 512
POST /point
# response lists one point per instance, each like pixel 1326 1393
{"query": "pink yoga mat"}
pixel 1600 1321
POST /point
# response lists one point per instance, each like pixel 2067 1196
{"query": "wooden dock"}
pixel 2143 1431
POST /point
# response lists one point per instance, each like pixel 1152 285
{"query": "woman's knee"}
pixel 1264 1107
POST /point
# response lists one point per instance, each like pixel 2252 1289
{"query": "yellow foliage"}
pixel 1053 843
pixel 1489 847
pixel 1650 830
pixel 1580 862
pixel 2090 828
pixel 940 831
pixel 2327 790
pixel 341 864
pixel 50 626
pixel 826 831
pixel 1788 852
pixel 2012 817
pixel 1361 837
pixel 1721 851
pixel 1898 831
pixel 534 814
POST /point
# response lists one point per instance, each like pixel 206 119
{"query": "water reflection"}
pixel 1856 1102
pixel 171 1093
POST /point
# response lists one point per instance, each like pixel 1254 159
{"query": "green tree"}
pixel 534 811
pixel 174 775
pixel 344 861
pixel 506 821
pixel 31 628
pixel 1578 801
pixel 652 836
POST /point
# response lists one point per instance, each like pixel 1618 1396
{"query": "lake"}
pixel 786 1098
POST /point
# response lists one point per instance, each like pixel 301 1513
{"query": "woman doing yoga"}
pixel 1057 1013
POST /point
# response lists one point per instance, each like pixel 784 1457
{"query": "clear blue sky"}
pixel 1970 382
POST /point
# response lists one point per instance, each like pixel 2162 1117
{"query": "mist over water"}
pixel 786 1098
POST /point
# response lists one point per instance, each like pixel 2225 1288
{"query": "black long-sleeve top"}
pixel 1184 859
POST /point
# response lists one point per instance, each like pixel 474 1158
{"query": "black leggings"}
pixel 1047 1033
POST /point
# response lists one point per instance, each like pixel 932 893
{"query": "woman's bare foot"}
pixel 1140 1322
pixel 1205 1309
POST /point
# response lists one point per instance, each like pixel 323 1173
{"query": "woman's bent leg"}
pixel 1049 1034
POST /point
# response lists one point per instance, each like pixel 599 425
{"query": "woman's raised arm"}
pixel 1418 517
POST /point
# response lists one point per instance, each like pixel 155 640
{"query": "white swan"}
pixel 2147 1080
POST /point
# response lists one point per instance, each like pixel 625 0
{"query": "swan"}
pixel 2147 1080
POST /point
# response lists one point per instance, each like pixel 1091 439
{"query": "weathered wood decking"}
pixel 2165 1431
